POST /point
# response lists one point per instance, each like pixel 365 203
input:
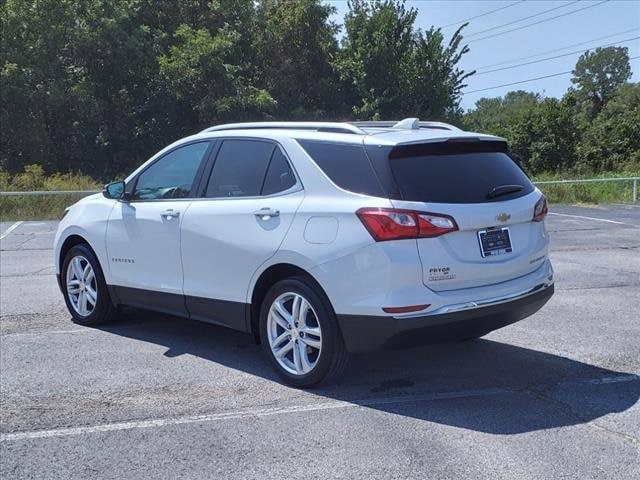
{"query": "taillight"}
pixel 394 224
pixel 434 224
pixel 540 210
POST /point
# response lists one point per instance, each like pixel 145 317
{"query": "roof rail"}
pixel 336 127
pixel 407 123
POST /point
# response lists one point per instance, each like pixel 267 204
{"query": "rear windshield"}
pixel 457 173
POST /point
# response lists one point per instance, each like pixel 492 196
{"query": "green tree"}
pixel 553 137
pixel 201 75
pixel 612 140
pixel 497 115
pixel 394 70
pixel 36 89
pixel 295 47
pixel 95 85
pixel 510 117
pixel 74 78
pixel 542 133
pixel 598 74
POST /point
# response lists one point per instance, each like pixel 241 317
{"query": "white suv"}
pixel 318 238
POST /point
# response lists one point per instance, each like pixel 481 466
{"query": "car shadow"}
pixel 482 385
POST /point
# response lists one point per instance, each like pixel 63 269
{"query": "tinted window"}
pixel 346 165
pixel 171 176
pixel 279 175
pixel 457 175
pixel 239 168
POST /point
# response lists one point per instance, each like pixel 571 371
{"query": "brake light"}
pixel 540 210
pixel 395 224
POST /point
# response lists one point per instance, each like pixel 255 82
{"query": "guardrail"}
pixel 634 194
pixel 48 192
pixel 542 182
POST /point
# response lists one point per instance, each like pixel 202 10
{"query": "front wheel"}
pixel 299 333
pixel 84 288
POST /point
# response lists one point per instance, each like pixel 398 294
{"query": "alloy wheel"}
pixel 82 288
pixel 294 333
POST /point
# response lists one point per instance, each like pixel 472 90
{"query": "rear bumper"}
pixel 364 333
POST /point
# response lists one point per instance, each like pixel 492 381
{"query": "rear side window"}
pixel 279 175
pixel 346 165
pixel 239 168
pixel 457 174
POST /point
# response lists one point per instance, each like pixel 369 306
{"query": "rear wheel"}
pixel 84 288
pixel 300 335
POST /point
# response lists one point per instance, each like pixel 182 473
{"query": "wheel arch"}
pixel 271 275
pixel 70 242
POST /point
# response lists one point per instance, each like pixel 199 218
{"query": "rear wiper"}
pixel 504 190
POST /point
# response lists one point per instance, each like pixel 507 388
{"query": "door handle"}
pixel 170 213
pixel 266 213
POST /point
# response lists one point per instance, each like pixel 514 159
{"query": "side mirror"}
pixel 114 190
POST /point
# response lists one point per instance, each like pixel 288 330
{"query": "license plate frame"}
pixel 495 241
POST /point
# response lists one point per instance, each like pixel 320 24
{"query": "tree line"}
pixel 97 86
pixel 593 128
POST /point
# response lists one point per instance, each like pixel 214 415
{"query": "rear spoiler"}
pixel 451 146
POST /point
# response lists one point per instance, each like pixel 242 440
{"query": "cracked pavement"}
pixel 152 396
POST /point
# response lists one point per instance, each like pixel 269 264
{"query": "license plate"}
pixel 494 241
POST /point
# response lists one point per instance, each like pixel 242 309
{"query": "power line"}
pixel 554 57
pixel 529 80
pixel 521 19
pixel 517 83
pixel 482 14
pixel 540 21
pixel 558 49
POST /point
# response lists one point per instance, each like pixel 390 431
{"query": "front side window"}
pixel 173 175
pixel 240 168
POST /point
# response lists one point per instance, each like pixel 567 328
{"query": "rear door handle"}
pixel 266 213
pixel 170 213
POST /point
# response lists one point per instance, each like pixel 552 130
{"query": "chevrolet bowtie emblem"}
pixel 503 217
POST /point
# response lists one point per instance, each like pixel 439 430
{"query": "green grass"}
pixel 588 193
pixel 40 207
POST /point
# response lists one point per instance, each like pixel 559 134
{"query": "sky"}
pixel 618 20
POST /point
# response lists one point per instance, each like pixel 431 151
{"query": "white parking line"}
pixel 65 332
pixel 49 332
pixel 590 218
pixel 10 229
pixel 258 412
pixel 265 412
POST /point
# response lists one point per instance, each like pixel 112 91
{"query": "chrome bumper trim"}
pixel 487 302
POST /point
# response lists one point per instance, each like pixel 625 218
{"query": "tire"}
pixel 92 292
pixel 326 359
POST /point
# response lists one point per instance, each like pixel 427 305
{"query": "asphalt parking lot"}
pixel 553 396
